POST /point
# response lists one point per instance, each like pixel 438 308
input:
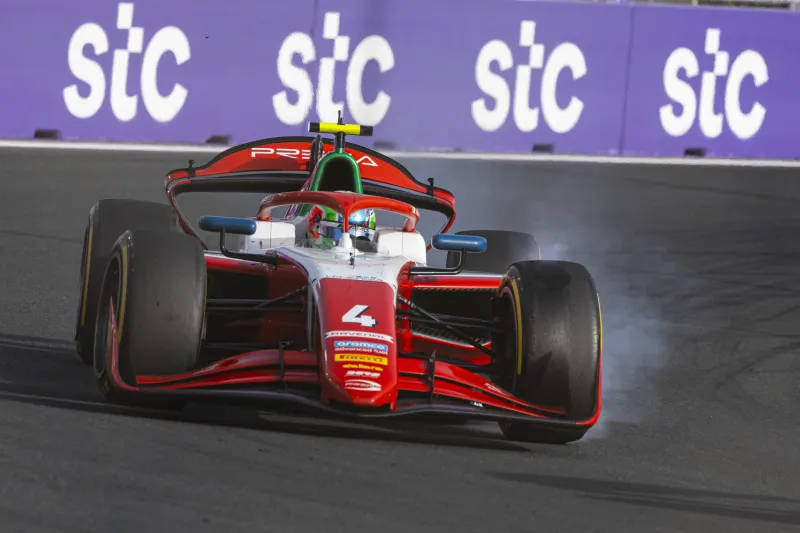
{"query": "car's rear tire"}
pixel 503 248
pixel 551 349
pixel 108 219
pixel 157 282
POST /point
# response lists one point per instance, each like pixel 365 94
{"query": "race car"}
pixel 323 307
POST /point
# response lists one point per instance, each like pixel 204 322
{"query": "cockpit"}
pixel 323 229
pixel 361 232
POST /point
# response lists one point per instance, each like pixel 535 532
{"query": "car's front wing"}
pixel 268 375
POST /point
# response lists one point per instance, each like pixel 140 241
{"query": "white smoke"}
pixel 635 343
pixel 576 218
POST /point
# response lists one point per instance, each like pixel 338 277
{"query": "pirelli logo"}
pixel 360 358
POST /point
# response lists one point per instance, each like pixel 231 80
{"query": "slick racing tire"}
pixel 503 248
pixel 156 284
pixel 551 347
pixel 108 219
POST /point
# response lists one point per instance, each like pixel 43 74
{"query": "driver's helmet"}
pixel 325 226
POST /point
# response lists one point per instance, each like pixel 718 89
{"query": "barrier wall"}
pixel 473 75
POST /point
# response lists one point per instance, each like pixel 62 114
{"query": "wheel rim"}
pixel 509 339
pixel 102 333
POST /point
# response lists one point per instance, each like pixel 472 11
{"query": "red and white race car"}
pixel 324 307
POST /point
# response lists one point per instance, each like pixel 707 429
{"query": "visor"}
pixel 333 231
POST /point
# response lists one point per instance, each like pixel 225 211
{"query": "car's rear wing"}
pixel 280 164
pixel 292 154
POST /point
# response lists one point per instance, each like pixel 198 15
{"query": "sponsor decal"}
pixel 564 56
pixel 359 334
pixel 90 41
pixel 362 384
pixel 358 277
pixel 294 104
pixel 362 366
pixel 361 358
pixel 356 316
pixel 305 155
pixel 363 374
pixel 368 347
pixel 682 62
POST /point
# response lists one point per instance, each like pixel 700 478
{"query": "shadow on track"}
pixel 48 372
pixel 730 505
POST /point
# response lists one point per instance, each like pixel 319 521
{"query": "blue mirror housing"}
pixel 237 226
pixel 459 243
pixel 451 243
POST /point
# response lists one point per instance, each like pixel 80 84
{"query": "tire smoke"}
pixel 634 335
pixel 608 229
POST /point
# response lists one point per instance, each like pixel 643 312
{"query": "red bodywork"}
pixel 403 369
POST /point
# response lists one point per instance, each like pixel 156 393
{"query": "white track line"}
pixel 454 156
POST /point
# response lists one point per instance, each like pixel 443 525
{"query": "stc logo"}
pixel 748 63
pixel 563 56
pixel 373 48
pixel 124 106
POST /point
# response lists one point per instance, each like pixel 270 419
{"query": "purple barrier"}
pixel 527 74
pixel 522 74
pixel 480 75
pixel 155 70
pixel 716 78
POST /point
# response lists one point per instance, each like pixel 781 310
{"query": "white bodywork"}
pixel 269 235
pixel 395 249
pixel 394 242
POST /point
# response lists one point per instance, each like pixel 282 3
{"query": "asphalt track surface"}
pixel 699 274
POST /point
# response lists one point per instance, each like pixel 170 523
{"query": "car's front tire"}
pixel 108 219
pixel 551 346
pixel 156 284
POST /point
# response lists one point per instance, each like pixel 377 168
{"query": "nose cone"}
pixel 359 356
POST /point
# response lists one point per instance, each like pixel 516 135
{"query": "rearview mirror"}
pixel 451 243
pixel 459 243
pixel 237 226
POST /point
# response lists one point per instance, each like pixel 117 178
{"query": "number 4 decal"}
pixel 354 316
